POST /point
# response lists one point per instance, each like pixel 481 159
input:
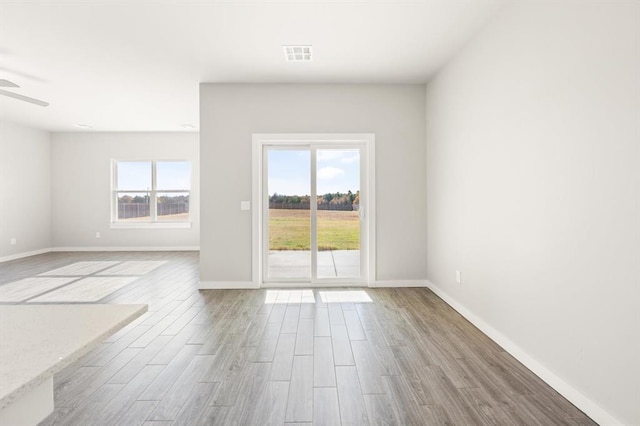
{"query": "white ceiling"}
pixel 135 65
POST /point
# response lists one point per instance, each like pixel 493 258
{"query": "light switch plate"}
pixel 245 205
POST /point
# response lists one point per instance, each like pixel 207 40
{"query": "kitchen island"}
pixel 37 341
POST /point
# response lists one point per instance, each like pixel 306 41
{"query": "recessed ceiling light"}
pixel 84 126
pixel 295 53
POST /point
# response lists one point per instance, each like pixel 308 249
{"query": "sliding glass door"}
pixel 312 218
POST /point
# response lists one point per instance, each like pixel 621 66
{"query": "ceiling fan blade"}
pixel 7 83
pixel 24 98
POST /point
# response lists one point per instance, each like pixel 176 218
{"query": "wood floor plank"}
pixel 457 409
pixel 242 390
pixel 290 321
pixel 271 405
pixel 277 313
pixel 408 359
pixel 255 330
pixel 111 412
pixel 321 323
pixel 300 401
pixel 268 342
pixel 342 354
pixel 215 416
pixel 352 409
pixel 326 410
pixel 352 320
pixel 335 314
pixel 85 410
pixel 323 366
pixel 304 337
pixel 179 393
pixel 142 359
pixel 380 409
pixel 171 349
pixel 196 402
pixel 283 358
pixel 406 408
pixel 370 371
pixel 157 390
pixel 103 357
pixel 81 389
pixel 137 413
pixel 182 321
pixel 307 310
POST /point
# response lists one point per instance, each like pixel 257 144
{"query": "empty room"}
pixel 298 212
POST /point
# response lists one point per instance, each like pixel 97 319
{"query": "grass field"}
pixel 290 230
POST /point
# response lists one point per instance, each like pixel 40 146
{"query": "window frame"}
pixel 153 193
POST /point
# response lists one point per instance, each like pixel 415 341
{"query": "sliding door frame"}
pixel 363 141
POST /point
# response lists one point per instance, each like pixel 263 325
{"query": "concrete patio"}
pixel 297 264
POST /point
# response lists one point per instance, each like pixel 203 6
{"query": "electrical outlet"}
pixel 459 277
pixel 13 241
pixel 97 235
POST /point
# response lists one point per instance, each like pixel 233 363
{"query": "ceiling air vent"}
pixel 297 53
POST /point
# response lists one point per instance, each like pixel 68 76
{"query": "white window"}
pixel 151 192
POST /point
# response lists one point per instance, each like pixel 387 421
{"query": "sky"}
pixel 170 175
pixel 338 170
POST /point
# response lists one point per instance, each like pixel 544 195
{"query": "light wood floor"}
pixel 225 357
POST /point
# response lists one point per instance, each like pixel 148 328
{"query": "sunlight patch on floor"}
pixel 90 289
pixel 27 288
pixel 80 268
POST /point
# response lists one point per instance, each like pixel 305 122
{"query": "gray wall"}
pixel 25 190
pixel 230 113
pixel 81 171
pixel 533 192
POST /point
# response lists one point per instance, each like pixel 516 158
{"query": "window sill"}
pixel 150 225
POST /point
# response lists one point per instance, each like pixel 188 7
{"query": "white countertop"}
pixel 37 341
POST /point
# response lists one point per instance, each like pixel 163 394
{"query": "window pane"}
pixel 134 175
pixel 338 219
pixel 289 189
pixel 173 206
pixel 134 206
pixel 173 175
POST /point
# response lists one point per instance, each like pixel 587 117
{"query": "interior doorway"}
pixel 314 200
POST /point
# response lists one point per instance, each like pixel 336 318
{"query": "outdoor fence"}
pixel 134 210
pixel 307 206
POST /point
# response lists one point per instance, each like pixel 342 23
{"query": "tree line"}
pixel 336 198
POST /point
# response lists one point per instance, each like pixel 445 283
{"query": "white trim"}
pixel 307 285
pixel 259 140
pixel 399 283
pixel 149 225
pixel 313 209
pixel 577 398
pixel 24 254
pixel 227 285
pixel 139 248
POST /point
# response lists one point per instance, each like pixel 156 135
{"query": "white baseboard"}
pixel 208 285
pixel 227 285
pixel 128 248
pixel 24 254
pixel 399 283
pixel 79 249
pixel 577 398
